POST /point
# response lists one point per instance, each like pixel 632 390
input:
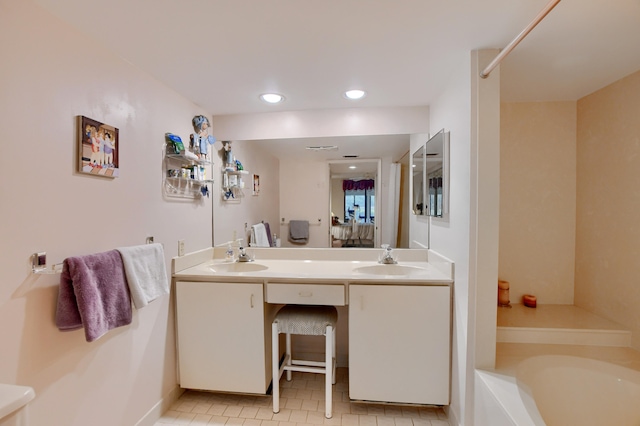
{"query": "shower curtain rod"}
pixel 504 52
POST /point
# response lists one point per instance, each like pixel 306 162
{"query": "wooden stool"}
pixel 311 321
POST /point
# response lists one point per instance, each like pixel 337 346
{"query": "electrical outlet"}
pixel 180 247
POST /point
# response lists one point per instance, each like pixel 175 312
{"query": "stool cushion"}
pixel 308 320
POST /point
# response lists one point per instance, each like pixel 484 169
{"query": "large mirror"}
pixel 314 173
pixel 437 174
pixel 418 179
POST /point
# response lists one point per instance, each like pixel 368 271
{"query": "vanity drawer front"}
pixel 306 294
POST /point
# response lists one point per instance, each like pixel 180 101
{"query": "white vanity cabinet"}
pixel 399 343
pixel 224 338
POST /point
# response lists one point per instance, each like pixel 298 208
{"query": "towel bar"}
pixel 56 268
pixel 39 262
pixel 318 223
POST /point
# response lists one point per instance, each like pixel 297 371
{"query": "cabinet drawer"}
pixel 306 294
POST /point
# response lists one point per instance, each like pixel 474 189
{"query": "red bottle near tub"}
pixel 529 300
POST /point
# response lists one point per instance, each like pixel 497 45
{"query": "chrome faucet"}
pixel 386 258
pixel 243 256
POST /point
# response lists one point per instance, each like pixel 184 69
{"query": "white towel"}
pixel 146 273
pixel 259 235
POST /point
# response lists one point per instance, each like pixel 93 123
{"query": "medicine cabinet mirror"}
pixel 437 174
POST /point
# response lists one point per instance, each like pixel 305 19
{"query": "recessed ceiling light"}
pixel 354 94
pixel 272 98
pixel 352 167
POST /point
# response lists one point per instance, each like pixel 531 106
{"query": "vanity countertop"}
pixel 13 398
pixel 316 265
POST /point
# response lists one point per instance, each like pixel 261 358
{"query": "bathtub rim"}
pixel 515 398
pixel 607 367
pixel 505 393
pixel 527 369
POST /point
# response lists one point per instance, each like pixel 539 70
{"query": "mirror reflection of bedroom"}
pixel 353 203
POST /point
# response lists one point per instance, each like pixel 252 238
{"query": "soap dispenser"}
pixel 228 255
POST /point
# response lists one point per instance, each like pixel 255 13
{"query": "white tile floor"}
pixel 301 403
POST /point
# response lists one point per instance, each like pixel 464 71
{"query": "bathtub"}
pixel 559 390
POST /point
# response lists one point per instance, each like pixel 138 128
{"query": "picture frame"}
pixel 256 185
pixel 98 148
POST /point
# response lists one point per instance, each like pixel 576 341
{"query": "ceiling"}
pixel 222 54
pixel 370 146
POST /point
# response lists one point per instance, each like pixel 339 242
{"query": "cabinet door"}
pixel 221 337
pixel 399 343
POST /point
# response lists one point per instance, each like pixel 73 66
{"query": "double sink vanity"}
pixel 396 318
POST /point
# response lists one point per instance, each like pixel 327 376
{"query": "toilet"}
pixel 13 404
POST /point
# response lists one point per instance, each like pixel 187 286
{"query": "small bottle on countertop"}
pixel 228 255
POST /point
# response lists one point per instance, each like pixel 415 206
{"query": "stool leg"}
pixel 288 356
pixel 335 357
pixel 275 363
pixel 328 376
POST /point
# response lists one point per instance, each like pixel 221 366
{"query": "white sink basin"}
pixel 237 267
pixel 389 270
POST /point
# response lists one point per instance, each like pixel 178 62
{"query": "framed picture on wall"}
pixel 256 185
pixel 98 148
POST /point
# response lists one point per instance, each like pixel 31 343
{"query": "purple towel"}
pixel 93 294
pixel 268 229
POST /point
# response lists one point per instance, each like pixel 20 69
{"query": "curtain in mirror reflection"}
pixel 359 200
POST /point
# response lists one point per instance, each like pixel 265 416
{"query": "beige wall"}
pixel 50 74
pixel 538 200
pixel 569 179
pixel 450 235
pixel 608 203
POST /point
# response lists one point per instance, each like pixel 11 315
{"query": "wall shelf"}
pixel 185 175
pixel 233 184
pixel 190 159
